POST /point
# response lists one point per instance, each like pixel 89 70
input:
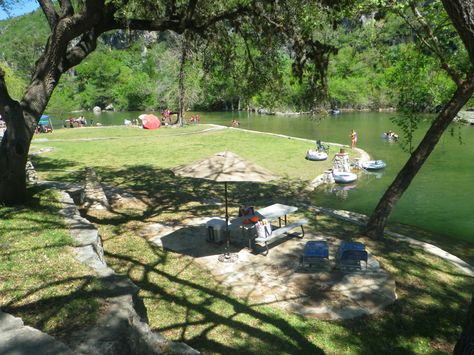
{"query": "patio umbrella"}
pixel 225 167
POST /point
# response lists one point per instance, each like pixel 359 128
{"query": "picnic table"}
pixel 273 212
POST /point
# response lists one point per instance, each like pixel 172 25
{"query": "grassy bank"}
pixel 40 281
pixel 166 148
pixel 183 301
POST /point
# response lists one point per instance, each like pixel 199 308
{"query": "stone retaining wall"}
pixel 121 330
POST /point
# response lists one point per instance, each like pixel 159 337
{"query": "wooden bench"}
pixel 280 233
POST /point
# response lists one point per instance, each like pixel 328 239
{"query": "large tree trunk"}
pixel 379 217
pixel 321 62
pixel 465 345
pixel 13 155
pixel 20 119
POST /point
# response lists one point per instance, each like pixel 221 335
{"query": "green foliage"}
pixel 16 85
pixel 252 65
pixel 22 42
pixel 421 87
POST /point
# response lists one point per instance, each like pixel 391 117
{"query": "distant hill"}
pixel 22 41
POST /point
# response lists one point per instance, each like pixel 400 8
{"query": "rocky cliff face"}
pixel 121 39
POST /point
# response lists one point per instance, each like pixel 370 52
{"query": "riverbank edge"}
pixel 318 180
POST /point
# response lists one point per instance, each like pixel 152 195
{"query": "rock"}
pixel 16 338
pixel 109 107
pixel 341 162
pixel 31 175
pixel 96 109
pixel 94 196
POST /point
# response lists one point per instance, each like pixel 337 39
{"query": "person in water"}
pixel 353 138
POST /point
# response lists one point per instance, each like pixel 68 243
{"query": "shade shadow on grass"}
pixel 432 301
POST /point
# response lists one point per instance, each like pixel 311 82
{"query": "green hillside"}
pixel 369 71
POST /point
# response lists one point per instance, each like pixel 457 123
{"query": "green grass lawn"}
pixel 40 280
pixel 166 148
pixel 183 301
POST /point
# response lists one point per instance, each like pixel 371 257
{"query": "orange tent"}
pixel 150 121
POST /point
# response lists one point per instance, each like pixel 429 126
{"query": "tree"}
pixel 309 31
pixel 75 27
pixel 464 81
pixel 461 14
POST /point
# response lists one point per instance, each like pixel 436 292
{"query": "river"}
pixel 438 198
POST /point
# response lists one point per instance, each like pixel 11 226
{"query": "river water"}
pixel 439 198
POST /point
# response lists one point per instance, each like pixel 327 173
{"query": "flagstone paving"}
pixel 279 279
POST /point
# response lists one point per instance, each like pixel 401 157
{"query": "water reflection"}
pixel 341 191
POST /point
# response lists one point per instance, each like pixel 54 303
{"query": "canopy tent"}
pixel 44 125
pixel 150 121
pixel 225 167
pixel 44 120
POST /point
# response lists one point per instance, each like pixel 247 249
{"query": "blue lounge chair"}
pixel 350 254
pixel 314 251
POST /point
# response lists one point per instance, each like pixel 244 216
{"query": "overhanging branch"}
pixel 5 100
pixel 66 8
pixel 436 47
pixel 75 55
pixel 49 12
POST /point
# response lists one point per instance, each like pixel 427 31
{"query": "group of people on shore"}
pixel 72 122
pixel 195 119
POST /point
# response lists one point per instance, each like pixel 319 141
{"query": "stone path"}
pixel 18 339
pixel 279 278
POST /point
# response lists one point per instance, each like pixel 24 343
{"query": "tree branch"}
pixel 432 48
pixel 50 12
pixel 247 49
pixel 76 55
pixel 66 8
pixel 152 25
pixel 461 13
pixel 227 15
pixel 436 48
pixel 191 8
pixel 5 100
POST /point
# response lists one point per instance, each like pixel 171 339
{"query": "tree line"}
pixel 365 61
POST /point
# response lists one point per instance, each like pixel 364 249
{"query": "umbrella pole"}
pixel 227 234
pixel 227 257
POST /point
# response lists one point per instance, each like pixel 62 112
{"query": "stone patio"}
pixel 279 279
